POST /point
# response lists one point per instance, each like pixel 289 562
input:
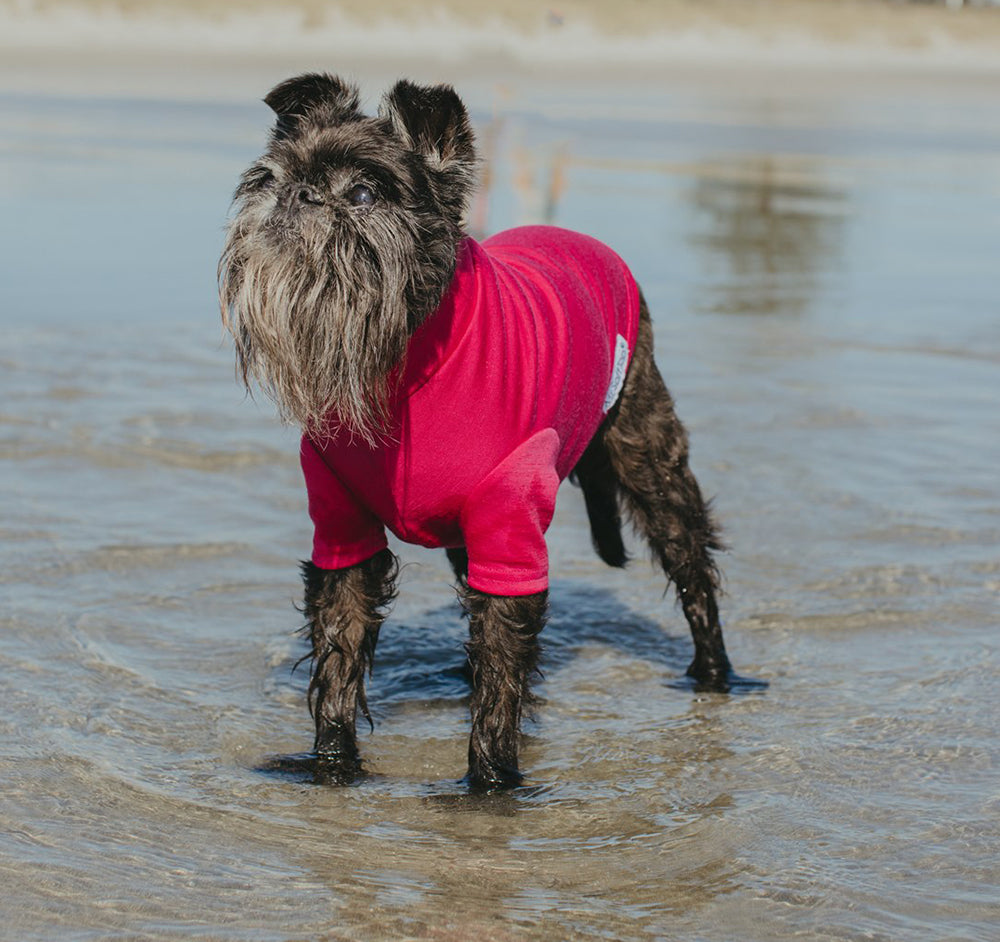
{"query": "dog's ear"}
pixel 316 95
pixel 432 121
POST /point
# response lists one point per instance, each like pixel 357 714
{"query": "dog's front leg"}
pixel 344 610
pixel 503 653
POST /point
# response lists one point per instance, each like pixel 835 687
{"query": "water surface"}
pixel 822 267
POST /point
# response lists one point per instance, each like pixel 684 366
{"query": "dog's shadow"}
pixel 420 660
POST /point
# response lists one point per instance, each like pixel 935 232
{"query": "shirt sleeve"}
pixel 345 533
pixel 505 517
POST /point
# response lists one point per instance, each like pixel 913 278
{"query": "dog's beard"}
pixel 320 318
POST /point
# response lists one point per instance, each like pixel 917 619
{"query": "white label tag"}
pixel 617 372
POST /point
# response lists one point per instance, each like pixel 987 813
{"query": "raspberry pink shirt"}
pixel 502 389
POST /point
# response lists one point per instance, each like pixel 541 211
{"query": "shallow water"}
pixel 822 264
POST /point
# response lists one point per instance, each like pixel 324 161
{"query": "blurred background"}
pixel 809 193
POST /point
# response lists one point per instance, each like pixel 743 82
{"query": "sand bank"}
pixel 594 38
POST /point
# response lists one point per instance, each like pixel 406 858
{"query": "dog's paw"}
pixel 721 679
pixel 315 768
pixel 491 777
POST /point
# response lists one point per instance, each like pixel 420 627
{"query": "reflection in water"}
pixel 774 233
pixel 487 142
pixel 539 189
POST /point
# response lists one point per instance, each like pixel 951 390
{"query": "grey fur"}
pixel 343 242
pixel 321 294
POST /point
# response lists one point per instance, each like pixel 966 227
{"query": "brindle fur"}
pixel 344 611
pixel 322 294
pixel 637 459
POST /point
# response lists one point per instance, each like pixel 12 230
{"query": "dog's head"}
pixel 343 242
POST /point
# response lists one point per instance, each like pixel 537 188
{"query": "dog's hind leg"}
pixel 647 447
pixel 344 610
pixel 599 483
pixel 458 557
pixel 503 653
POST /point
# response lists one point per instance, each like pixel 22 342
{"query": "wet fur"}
pixel 503 652
pixel 321 296
pixel 344 611
pixel 639 460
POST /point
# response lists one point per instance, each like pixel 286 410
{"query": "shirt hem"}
pixel 494 586
pixel 342 560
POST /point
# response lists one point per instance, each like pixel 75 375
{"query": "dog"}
pixel 444 388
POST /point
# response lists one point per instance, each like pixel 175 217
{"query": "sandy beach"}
pixel 190 48
pixel 772 26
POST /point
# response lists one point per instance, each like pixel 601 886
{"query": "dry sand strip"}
pixel 195 48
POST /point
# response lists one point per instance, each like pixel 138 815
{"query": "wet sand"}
pixel 820 257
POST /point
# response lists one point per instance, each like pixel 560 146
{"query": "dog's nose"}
pixel 306 194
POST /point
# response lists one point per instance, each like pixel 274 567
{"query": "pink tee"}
pixel 502 389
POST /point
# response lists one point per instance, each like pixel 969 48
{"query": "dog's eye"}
pixel 361 195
